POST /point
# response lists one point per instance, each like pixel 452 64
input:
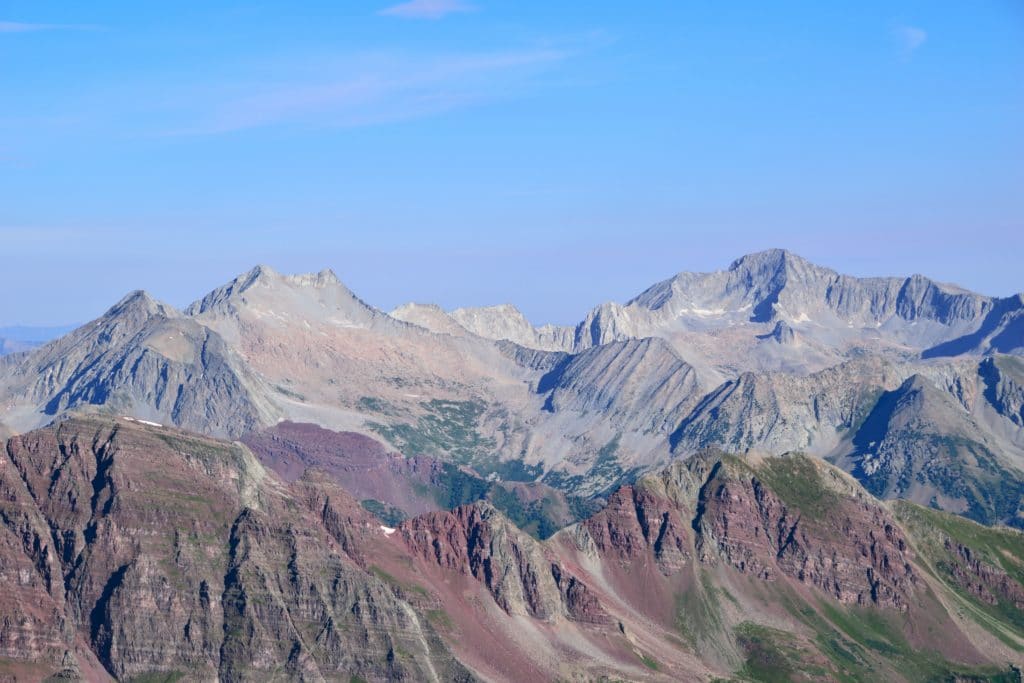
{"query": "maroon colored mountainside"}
pixel 131 551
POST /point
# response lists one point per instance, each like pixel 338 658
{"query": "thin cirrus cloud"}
pixel 426 9
pixel 911 38
pixel 367 90
pixel 23 27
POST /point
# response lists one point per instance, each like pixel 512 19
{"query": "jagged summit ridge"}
pixel 770 354
pixel 833 312
pixel 263 277
pixel 777 283
pixel 141 301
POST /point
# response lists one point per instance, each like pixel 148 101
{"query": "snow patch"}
pixel 387 530
pixel 704 312
pixel 144 422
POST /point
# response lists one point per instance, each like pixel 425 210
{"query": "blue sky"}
pixel 553 155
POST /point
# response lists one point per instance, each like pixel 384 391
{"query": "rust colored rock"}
pixel 849 548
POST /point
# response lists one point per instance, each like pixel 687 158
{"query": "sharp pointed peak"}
pixel 135 296
pixel 771 257
pixel 139 301
pixel 259 272
pixel 917 381
pixel 262 269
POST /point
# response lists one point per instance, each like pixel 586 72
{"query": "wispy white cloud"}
pixel 23 27
pixel 366 90
pixel 426 9
pixel 911 37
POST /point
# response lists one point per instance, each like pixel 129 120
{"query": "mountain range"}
pixel 770 472
pixel 21 338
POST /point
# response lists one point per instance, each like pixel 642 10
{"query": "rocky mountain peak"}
pixel 139 304
pixel 320 280
pixel 429 316
pixel 771 260
pixel 266 276
pixel 273 293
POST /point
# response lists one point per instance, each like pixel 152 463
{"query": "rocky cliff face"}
pixel 141 358
pixel 154 552
pixel 508 323
pixel 918 443
pixel 131 550
pixel 844 545
pixel 476 540
pixel 637 523
pixel 984 580
pixel 778 284
pixel 1004 386
pixel 640 385
pixel 780 412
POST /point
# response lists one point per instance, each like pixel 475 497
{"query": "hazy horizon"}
pixel 477 152
pixel 22 332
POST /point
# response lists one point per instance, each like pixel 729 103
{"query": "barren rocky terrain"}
pixel 140 552
pixel 768 472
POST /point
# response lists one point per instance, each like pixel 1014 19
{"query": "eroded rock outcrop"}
pixel 476 540
pixel 980 578
pixel 164 552
pixel 634 523
pixel 849 547
pixel 131 550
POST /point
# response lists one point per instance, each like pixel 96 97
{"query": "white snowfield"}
pixel 144 422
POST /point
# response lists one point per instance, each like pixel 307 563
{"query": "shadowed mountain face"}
pixel 133 551
pixel 140 358
pixel 918 443
pixel 771 355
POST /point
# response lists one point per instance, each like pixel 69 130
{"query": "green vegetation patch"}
pixel 699 614
pixel 606 472
pixel 391 580
pixel 200 448
pixel 861 642
pixel 993 493
pixel 1000 548
pixel 158 677
pixel 388 514
pixel 774 656
pixel 285 391
pixel 650 662
pixel 540 518
pixel 453 488
pixel 372 404
pixel 448 429
pixel 797 481
pixel 440 620
pixel 510 470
